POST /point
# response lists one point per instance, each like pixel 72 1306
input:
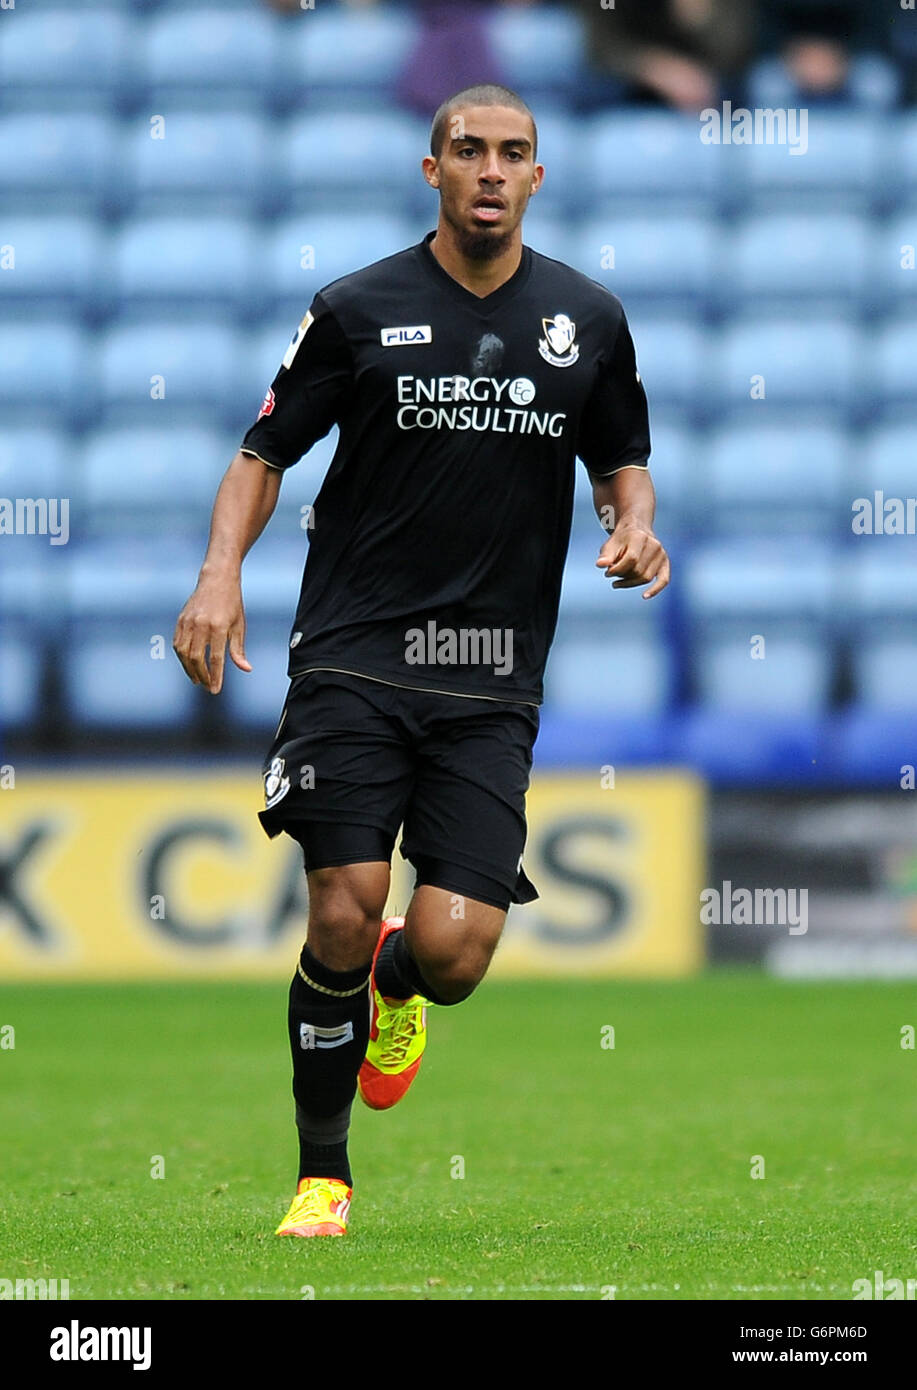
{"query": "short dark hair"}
pixel 485 94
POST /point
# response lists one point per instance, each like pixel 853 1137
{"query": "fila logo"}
pixel 310 1036
pixel 404 337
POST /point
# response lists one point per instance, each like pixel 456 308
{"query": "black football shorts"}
pixel 353 760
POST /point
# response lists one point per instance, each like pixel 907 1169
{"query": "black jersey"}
pixel 438 538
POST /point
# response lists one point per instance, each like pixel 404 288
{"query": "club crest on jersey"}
pixel 276 785
pixel 404 337
pixel 296 340
pixel 557 345
pixel 267 405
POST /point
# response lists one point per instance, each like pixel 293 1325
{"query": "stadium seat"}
pixel 195 363
pixel 893 356
pixel 751 580
pixel 182 263
pixel 777 477
pixel 653 158
pixel 53 61
pixel 35 461
pixel 893 261
pixel 559 150
pixel 816 361
pixel 794 678
pixel 210 161
pixel 55 163
pixel 885 671
pixel 873 83
pixel 138 480
pixel 606 673
pixel 664 262
pixel 199 56
pixel 333 245
pixel 58 265
pixel 836 171
pixel 343 55
pixel 540 48
pixel 779 260
pixel 546 233
pixel 22 666
pixel 885 461
pixel 671 353
pixel 44 362
pixel 124 598
pixel 336 161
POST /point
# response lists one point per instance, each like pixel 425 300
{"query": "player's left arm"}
pixel 633 553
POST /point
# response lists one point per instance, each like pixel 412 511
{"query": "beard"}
pixel 478 243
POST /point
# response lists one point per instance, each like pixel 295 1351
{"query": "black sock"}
pixel 397 975
pixel 328 1023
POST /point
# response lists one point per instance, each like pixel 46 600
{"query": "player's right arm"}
pixel 214 614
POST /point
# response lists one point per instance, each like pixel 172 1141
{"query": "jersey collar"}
pixel 481 304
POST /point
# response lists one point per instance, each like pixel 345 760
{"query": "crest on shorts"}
pixel 276 785
pixel 557 345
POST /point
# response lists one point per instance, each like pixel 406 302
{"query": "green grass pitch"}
pixel 589 1172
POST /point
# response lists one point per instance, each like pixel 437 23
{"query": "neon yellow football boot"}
pixel 397 1038
pixel 319 1208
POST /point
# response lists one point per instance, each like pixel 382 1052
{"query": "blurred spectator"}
pixel 680 53
pixel 453 51
pixel 828 51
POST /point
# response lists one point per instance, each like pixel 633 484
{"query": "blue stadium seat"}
pixel 751 580
pixel 198 361
pixel 893 258
pixel 138 480
pixel 794 678
pixel 62 61
pixel 632 156
pixel 20 689
pixel 894 356
pixel 885 671
pixel 124 596
pixel 213 161
pixel 35 462
pixel 44 362
pixel 836 170
pixel 51 162
pixel 355 56
pixel 181 263
pixel 58 266
pixel 667 262
pixel 336 245
pixel 817 361
pixel 198 56
pixel 899 172
pixel 781 477
pixel 559 140
pixel 880 597
pixel 546 233
pixel 334 161
pixel 874 83
pixel 610 674
pixel 784 258
pixel 540 48
pixel 739 591
pixel 671 353
pixel 885 460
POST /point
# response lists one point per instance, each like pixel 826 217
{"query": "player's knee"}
pixel 453 981
pixel 344 919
